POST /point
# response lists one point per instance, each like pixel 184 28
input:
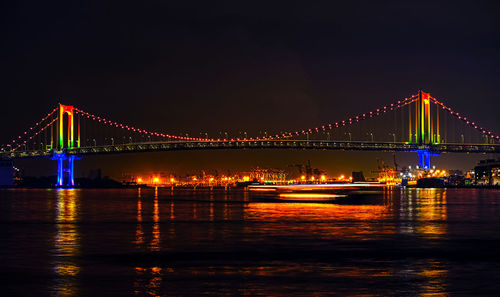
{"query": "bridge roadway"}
pixel 261 144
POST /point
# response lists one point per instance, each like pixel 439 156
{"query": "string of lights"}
pixel 36 133
pixel 466 120
pixel 137 130
pixel 28 134
pixel 25 134
pixel 344 123
pixel 347 122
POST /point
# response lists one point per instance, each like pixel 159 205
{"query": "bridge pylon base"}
pixel 69 169
pixel 424 158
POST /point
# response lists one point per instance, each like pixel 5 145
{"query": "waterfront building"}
pixel 487 172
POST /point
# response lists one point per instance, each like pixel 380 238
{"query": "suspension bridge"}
pixel 419 123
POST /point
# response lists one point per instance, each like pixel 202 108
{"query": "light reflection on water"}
pixel 306 219
pixel 139 233
pixel 66 243
pixel 157 243
pixel 424 211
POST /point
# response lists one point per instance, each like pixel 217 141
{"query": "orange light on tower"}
pixel 425 132
pixel 66 109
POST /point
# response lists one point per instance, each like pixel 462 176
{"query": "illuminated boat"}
pixel 314 192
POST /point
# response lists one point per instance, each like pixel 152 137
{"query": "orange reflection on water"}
pixel 172 213
pixel 141 238
pixel 226 211
pixel 432 211
pixel 67 242
pixel 155 242
pixel 139 232
pixel 326 270
pixel 313 211
pixel 322 219
pixel 423 212
pixel 434 274
pixel 211 211
pixel 148 281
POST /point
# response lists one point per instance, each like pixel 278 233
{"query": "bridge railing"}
pixel 262 144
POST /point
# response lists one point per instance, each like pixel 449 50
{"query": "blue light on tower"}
pixel 424 158
pixel 60 158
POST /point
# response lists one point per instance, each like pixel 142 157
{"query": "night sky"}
pixel 206 66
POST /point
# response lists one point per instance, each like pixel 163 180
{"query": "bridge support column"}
pixel 71 171
pixel 424 158
pixel 60 158
pixel 60 168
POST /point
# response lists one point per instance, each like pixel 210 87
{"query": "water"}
pixel 161 243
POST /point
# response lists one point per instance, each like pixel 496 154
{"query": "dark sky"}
pixel 209 66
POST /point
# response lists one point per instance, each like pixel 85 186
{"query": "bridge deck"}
pixel 264 144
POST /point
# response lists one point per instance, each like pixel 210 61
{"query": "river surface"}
pixel 147 242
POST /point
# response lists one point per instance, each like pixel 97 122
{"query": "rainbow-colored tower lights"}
pixel 65 144
pixel 66 109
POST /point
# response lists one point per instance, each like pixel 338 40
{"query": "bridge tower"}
pixel 66 140
pixel 423 118
pixel 424 125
